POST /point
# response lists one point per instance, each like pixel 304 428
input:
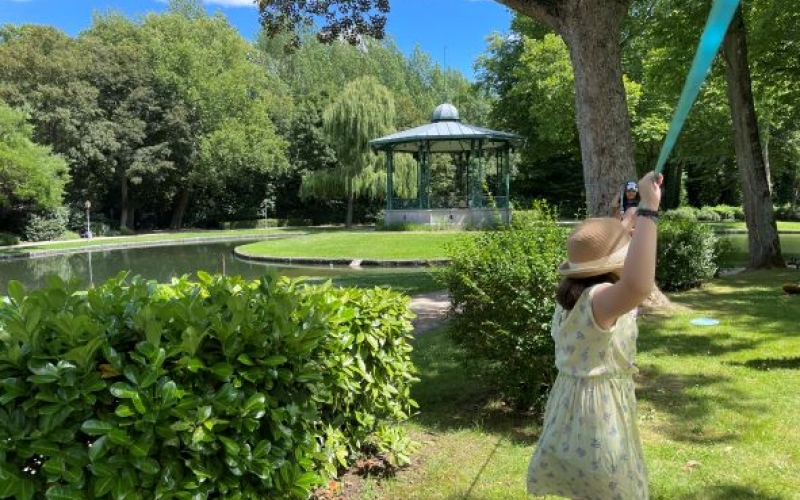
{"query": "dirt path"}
pixel 431 310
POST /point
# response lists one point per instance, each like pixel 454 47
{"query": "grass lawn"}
pixel 790 246
pixel 144 239
pixel 357 245
pixel 782 225
pixel 718 407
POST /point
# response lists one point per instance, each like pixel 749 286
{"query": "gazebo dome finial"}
pixel 444 113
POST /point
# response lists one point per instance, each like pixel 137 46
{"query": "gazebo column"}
pixel 507 176
pixel 389 177
pixel 420 174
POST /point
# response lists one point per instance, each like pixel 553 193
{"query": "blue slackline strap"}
pixel 718 20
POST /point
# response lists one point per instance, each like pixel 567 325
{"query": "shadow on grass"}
pixel 450 398
pixel 767 364
pixel 684 398
pixel 726 492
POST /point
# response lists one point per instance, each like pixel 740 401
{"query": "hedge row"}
pixel 222 388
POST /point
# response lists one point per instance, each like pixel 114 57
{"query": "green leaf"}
pixel 123 390
pixel 16 291
pixel 119 437
pixel 63 493
pixel 124 411
pixel 9 483
pixel 255 406
pixel 124 486
pixel 103 484
pixel 146 465
pixel 231 447
pixel 55 465
pixel 223 370
pixel 98 449
pixel 275 360
pixel 26 490
pixel 32 319
pixel 168 392
pixel 96 427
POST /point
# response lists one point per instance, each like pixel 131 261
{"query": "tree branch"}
pixel 547 12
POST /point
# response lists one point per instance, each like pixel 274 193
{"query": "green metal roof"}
pixel 445 134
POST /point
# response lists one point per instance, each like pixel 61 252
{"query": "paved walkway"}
pixel 431 310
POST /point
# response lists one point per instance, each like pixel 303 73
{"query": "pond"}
pixel 161 263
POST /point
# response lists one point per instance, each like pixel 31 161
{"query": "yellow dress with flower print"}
pixel 590 446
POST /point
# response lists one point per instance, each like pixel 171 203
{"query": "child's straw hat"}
pixel 597 246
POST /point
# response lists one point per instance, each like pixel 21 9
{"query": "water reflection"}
pixel 159 263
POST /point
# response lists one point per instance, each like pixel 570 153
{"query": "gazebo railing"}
pixel 437 202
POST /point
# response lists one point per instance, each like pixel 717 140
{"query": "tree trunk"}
pixel 762 232
pixel 350 202
pixel 180 209
pixel 125 201
pixel 591 29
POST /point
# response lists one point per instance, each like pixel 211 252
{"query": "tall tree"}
pixel 592 32
pixel 223 93
pixel 32 178
pixel 763 239
pixel 363 111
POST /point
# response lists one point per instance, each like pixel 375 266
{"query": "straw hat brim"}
pixel 566 270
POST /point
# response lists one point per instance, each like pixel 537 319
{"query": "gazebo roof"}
pixel 445 134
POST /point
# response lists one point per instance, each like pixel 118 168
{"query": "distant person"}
pixel 590 446
pixel 627 202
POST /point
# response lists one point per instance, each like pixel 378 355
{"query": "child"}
pixel 590 447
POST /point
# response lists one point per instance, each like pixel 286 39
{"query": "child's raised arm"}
pixel 638 275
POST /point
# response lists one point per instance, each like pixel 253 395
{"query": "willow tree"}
pixel 363 111
pixel 590 28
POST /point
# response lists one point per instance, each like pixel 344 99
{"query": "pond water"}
pixel 159 263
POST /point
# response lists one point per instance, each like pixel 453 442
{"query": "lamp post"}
pixel 88 206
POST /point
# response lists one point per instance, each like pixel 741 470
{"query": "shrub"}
pixel 502 287
pixel 706 214
pixel 7 239
pixel 47 226
pixel 686 254
pixel 785 213
pixel 219 389
pixel 725 212
pixel 685 213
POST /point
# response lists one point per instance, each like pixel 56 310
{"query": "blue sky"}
pixel 454 30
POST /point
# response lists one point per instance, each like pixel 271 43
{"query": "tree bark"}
pixel 180 209
pixel 350 202
pixel 762 232
pixel 125 201
pixel 592 31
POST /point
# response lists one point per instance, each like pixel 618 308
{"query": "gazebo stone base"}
pixel 457 217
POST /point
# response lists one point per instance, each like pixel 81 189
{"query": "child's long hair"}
pixel 571 289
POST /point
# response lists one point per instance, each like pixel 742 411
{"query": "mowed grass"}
pixel 790 247
pixel 740 225
pixel 170 236
pixel 357 245
pixel 719 407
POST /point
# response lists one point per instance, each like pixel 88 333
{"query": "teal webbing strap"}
pixel 718 20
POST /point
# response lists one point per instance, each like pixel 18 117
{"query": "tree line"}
pixel 176 117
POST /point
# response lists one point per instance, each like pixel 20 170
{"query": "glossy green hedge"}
pixel 219 389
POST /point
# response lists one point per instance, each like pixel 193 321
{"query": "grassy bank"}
pixel 144 239
pixel 357 245
pixel 718 407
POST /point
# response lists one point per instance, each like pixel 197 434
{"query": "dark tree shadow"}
pixel 767 364
pixel 675 395
pixel 723 492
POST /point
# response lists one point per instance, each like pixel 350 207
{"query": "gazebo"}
pixel 475 150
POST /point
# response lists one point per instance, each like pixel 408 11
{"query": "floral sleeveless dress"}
pixel 590 446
